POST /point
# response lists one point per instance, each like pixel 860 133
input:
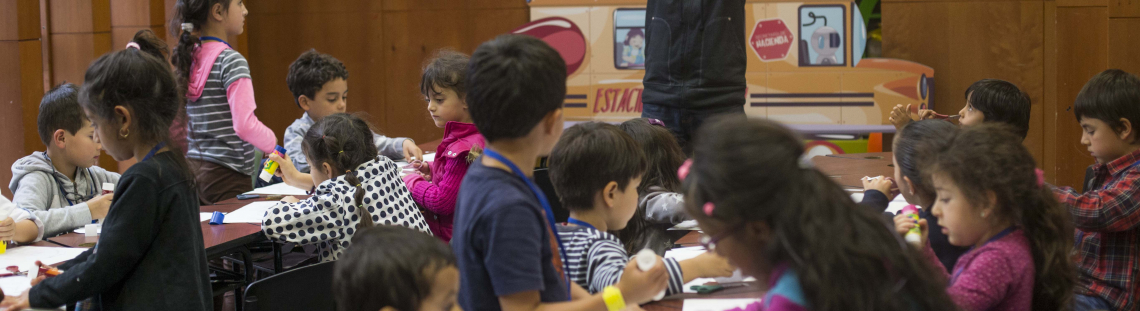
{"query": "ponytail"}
pixel 361 210
pixel 183 57
pixel 149 43
pixel 189 16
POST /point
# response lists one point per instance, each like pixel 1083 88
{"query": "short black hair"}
pixel 59 109
pixel 1109 96
pixel 513 82
pixel 388 266
pixel 1001 101
pixel 311 71
pixel 590 155
pixel 448 69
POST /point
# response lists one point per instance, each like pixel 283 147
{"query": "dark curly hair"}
pixel 388 266
pixel 846 257
pixel 311 71
pixel 343 141
pixel 989 159
pixel 447 69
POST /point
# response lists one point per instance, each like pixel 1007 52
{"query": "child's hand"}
pixel 713 266
pixel 7 229
pixel 900 117
pixel 289 173
pixel 290 199
pixel 16 303
pixel 883 184
pixel 903 223
pixel 925 114
pixel 641 286
pixel 100 205
pixel 412 152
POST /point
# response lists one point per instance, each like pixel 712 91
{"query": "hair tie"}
pixel 656 122
pixel 187 27
pixel 683 171
pixel 134 45
pixel 1040 177
pixel 342 151
pixel 708 208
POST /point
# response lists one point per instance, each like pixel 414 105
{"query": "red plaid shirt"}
pixel 1107 218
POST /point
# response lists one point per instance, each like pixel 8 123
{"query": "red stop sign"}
pixel 771 39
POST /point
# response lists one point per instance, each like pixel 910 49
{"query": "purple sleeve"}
pixel 439 195
pixel 983 282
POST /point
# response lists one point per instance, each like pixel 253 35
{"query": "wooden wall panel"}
pixel 1124 8
pixel 21 81
pixel 1123 42
pixel 1082 52
pixel 987 39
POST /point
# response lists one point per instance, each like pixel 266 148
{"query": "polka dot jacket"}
pixel 329 217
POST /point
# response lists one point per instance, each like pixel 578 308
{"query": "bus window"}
pixel 821 35
pixel 629 39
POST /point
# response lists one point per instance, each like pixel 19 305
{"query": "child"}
pixel 150 254
pixel 632 51
pixel 1107 217
pixel 991 197
pixel 62 186
pixel 605 201
pixel 223 131
pixel 368 191
pixel 765 208
pixel 18 225
pixel 988 100
pixel 385 255
pixel 660 205
pixel 504 242
pixel 319 83
pixel 436 186
pixel 913 146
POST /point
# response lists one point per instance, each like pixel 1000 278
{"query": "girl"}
pixel 632 52
pixel 778 219
pixel 660 206
pixel 385 255
pixel 436 186
pixel 913 146
pixel 223 129
pixel 150 254
pixel 991 198
pixel 988 100
pixel 355 188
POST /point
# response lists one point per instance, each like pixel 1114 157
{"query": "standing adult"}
pixel 694 63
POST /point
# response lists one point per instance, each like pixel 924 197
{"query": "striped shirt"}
pixel 212 136
pixel 596 259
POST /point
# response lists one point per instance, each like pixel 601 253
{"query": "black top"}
pixel 150 255
pixel 948 254
pixel 695 54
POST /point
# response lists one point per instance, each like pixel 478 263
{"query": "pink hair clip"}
pixel 133 44
pixel 683 171
pixel 708 208
pixel 1040 177
pixel 655 122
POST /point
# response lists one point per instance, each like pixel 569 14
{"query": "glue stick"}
pixel 914 236
pixel 271 166
pixel 108 188
pixel 646 259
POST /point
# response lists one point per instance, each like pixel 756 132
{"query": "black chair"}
pixel 306 288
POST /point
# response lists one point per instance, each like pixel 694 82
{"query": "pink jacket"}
pixel 447 171
pixel 997 276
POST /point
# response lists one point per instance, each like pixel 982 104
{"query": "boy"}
pixel 604 200
pixel 988 100
pixel 505 248
pixel 319 83
pixel 1107 217
pixel 62 186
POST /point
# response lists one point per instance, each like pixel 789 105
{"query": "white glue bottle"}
pixel 646 258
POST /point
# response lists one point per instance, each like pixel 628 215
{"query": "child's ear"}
pixel 1126 130
pixel 327 169
pixel 991 203
pixel 758 232
pixel 58 138
pixel 124 117
pixel 609 193
pixel 552 120
pixel 909 184
pixel 303 101
pixel 218 12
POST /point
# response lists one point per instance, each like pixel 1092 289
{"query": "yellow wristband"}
pixel 613 298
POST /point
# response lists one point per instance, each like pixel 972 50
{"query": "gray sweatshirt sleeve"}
pixel 393 148
pixel 665 207
pixel 293 137
pixel 37 192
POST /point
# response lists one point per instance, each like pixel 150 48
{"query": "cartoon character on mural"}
pixel 806 70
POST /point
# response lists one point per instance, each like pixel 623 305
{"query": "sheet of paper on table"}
pixel 686 225
pixel 204 216
pixel 893 207
pixel 251 213
pixel 684 253
pixel 716 304
pixel 83 230
pixel 278 189
pixel 25 258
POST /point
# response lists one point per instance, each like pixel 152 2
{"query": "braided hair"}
pixel 344 142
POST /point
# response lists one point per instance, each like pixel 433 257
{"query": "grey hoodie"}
pixel 34 189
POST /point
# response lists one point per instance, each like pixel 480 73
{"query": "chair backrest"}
pixel 305 288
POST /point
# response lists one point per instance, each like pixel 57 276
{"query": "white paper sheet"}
pixel 893 207
pixel 83 231
pixel 252 213
pixel 404 170
pixel 716 304
pixel 25 258
pixel 204 216
pixel 278 189
pixel 686 225
pixel 684 253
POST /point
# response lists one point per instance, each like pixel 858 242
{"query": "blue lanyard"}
pixel 74 183
pixel 1001 234
pixel 580 223
pixel 541 199
pixel 215 39
pixel 153 151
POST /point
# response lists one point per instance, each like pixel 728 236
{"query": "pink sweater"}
pixel 447 171
pixel 998 276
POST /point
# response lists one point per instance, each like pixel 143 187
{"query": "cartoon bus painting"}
pixel 804 68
